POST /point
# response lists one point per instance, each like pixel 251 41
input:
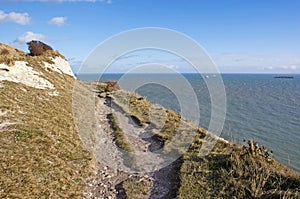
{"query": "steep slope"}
pixel 41 153
pixel 44 155
pixel 228 171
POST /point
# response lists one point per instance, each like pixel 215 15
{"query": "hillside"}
pixel 41 153
pixel 229 171
pixel 46 154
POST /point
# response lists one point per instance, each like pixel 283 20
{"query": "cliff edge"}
pixel 45 155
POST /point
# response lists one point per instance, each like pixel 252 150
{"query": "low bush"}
pixel 37 48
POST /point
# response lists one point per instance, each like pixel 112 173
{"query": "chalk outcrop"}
pixel 60 65
pixel 16 66
pixel 20 72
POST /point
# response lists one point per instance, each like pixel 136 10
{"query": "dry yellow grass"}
pixel 235 171
pixel 120 139
pixel 229 171
pixel 137 187
pixel 9 55
pixel 42 156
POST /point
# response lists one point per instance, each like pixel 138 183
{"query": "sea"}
pixel 259 107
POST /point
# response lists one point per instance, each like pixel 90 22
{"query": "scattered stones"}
pixel 108 181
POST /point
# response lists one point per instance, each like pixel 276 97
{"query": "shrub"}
pixel 111 86
pixel 37 48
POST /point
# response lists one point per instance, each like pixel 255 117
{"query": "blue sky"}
pixel 249 36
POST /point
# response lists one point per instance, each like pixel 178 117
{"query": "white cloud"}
pixel 294 67
pixel 19 18
pixel 58 21
pixel 283 69
pixel 27 37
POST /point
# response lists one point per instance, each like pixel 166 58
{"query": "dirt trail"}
pixel 146 160
pixel 111 171
pixel 108 175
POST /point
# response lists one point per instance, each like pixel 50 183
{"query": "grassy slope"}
pixel 41 154
pixel 228 171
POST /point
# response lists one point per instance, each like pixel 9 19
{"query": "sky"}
pixel 240 36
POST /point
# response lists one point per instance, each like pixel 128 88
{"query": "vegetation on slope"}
pixel 41 154
pixel 233 171
pixel 165 123
pixel 136 187
pixel 228 171
pixel 9 55
pixel 119 134
pixel 38 48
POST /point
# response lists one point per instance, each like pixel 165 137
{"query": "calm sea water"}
pixel 259 107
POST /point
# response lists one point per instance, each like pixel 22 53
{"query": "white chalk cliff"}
pixel 22 72
pixel 60 65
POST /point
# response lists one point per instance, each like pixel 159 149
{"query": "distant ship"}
pixel 283 76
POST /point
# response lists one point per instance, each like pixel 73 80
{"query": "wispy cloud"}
pixel 58 21
pixel 257 63
pixel 19 18
pixel 26 37
pixel 283 68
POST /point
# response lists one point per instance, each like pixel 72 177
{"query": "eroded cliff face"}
pixel 60 65
pixel 16 66
pixel 41 152
pixel 20 72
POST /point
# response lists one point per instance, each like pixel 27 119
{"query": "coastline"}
pixel 224 153
pixel 259 108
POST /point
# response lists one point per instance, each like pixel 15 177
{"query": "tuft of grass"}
pixel 165 122
pixel 230 170
pixel 119 134
pixel 137 187
pixel 121 141
pixel 133 105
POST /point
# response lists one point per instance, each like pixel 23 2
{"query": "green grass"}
pixel 228 171
pixel 165 122
pixel 9 55
pixel 133 105
pixel 120 139
pixel 137 187
pixel 42 155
